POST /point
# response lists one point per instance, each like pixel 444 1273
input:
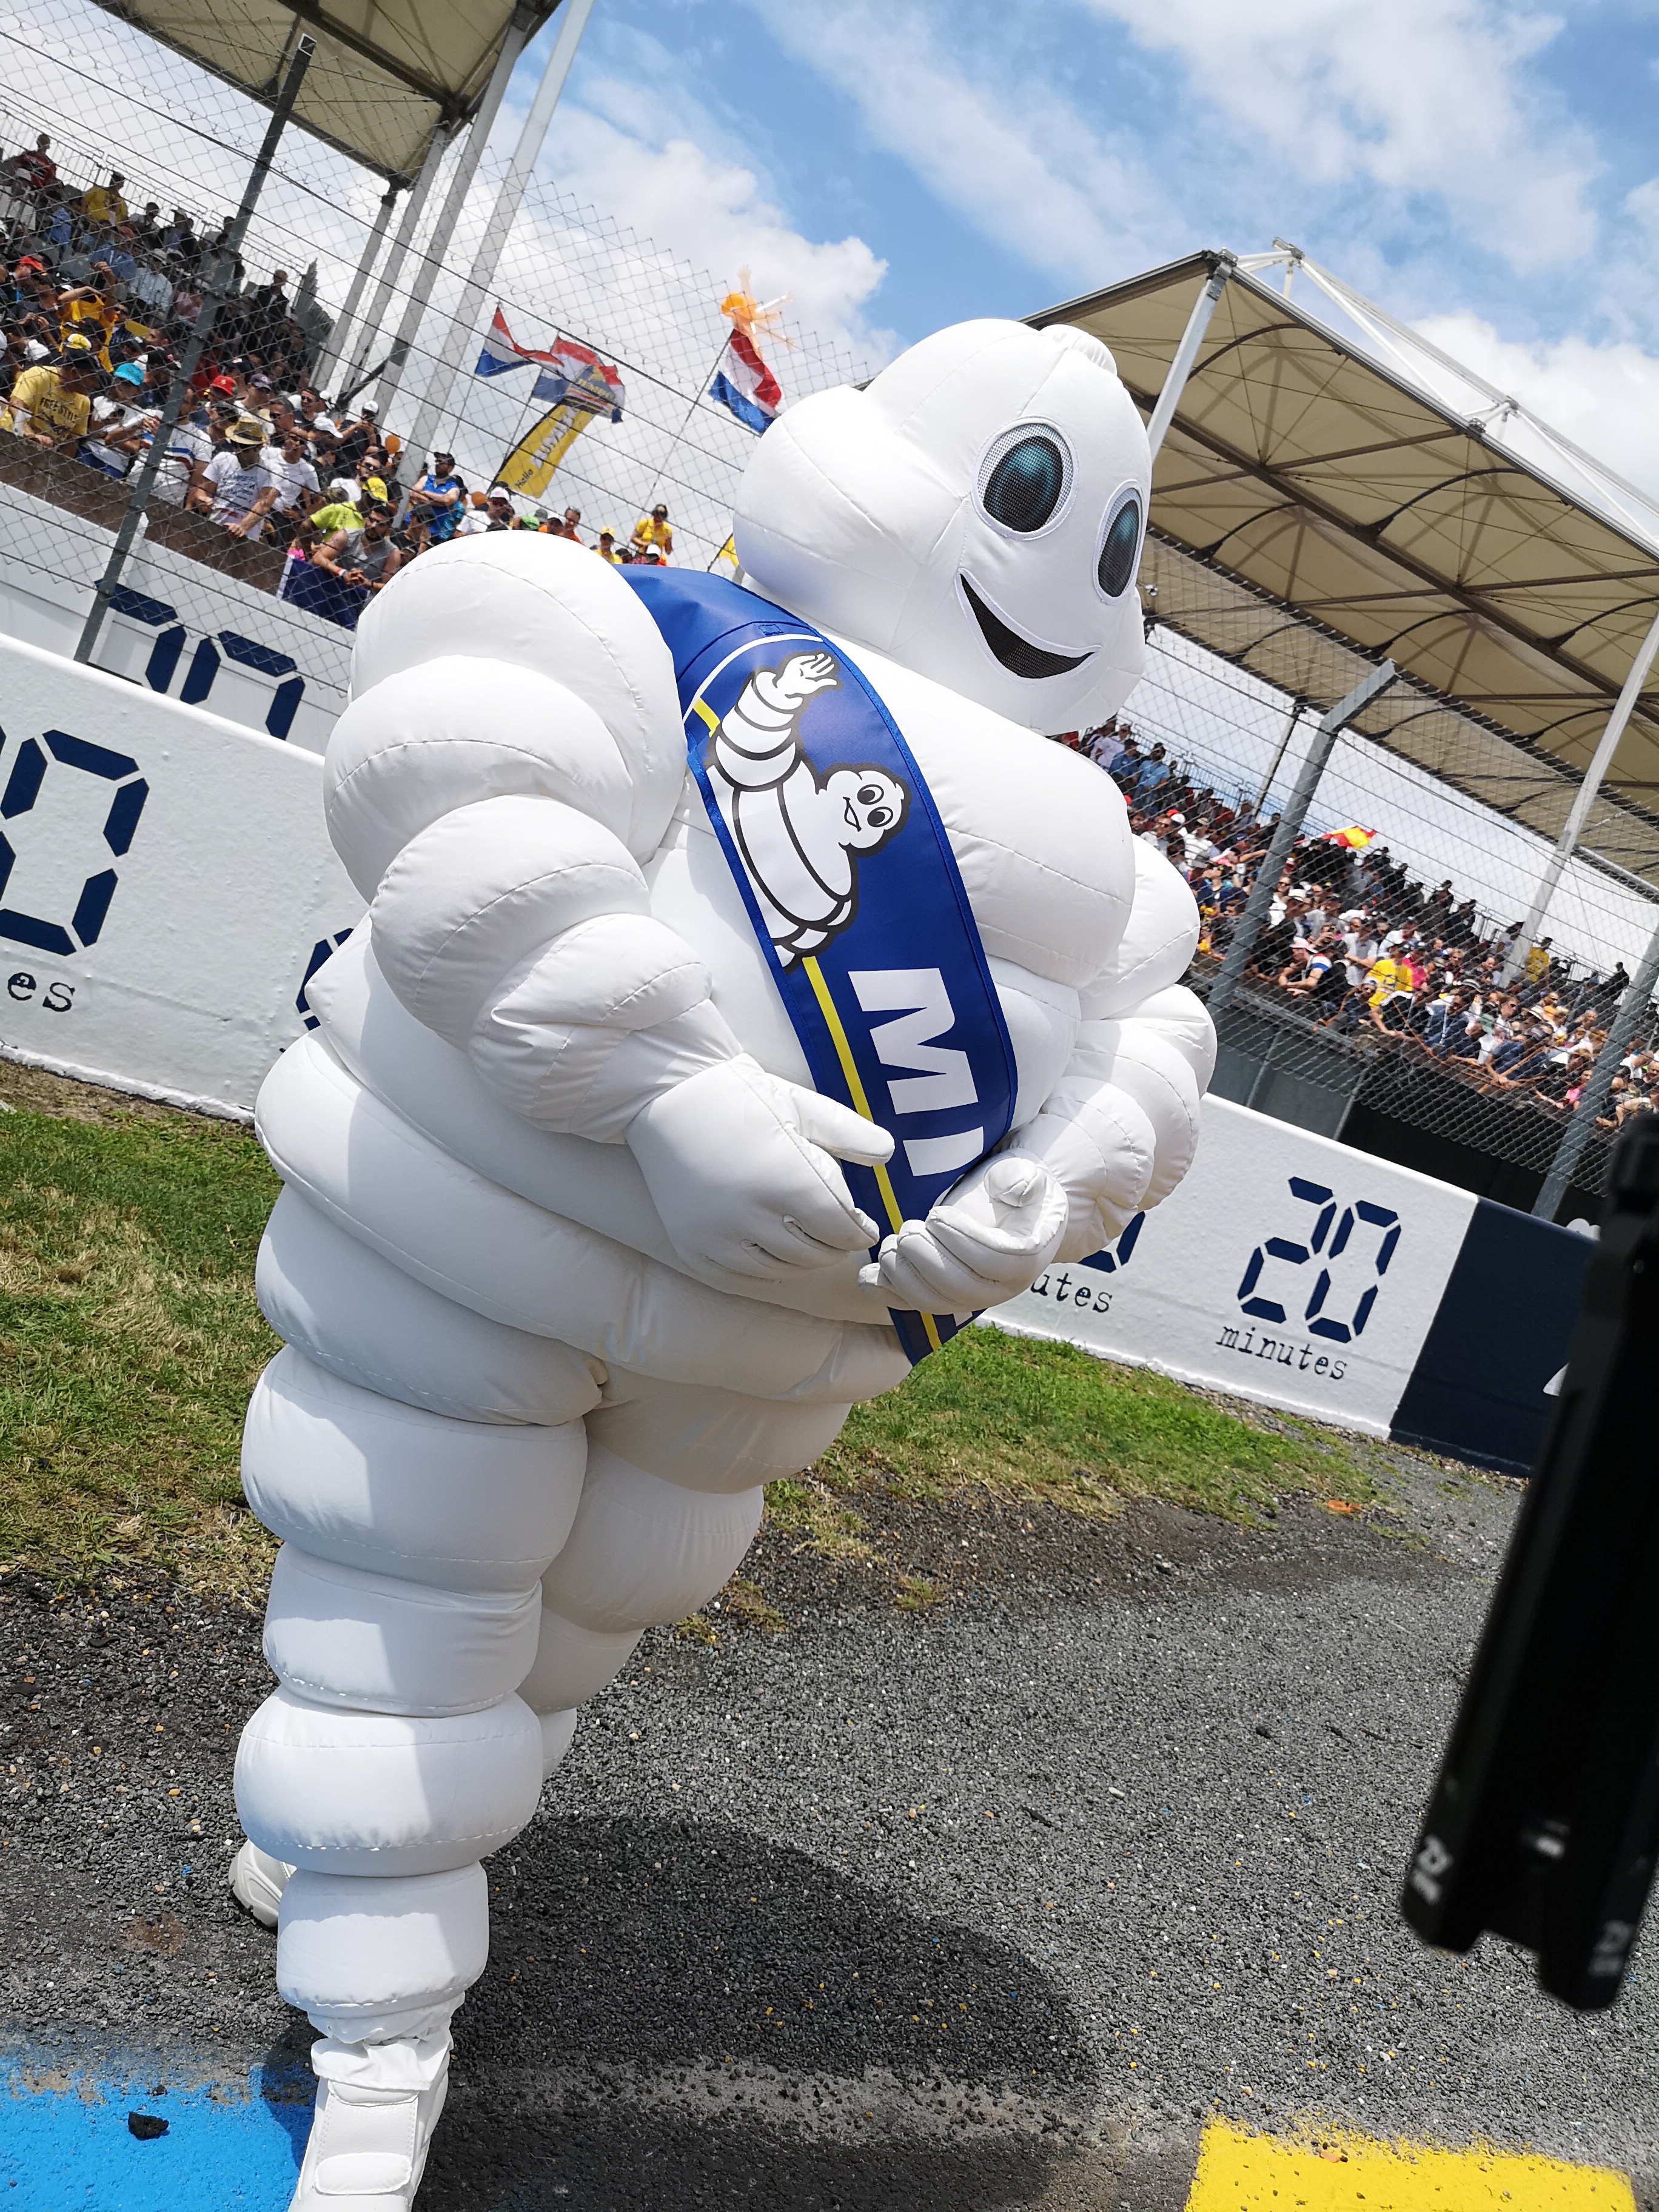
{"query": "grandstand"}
pixel 1330 497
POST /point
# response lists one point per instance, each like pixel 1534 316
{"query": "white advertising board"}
pixel 205 638
pixel 166 885
pixel 1286 1267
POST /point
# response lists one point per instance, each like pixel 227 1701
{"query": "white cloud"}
pixel 1603 397
pixel 716 213
pixel 632 137
pixel 1415 96
pixel 1012 156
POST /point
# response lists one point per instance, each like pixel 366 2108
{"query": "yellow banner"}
pixel 528 469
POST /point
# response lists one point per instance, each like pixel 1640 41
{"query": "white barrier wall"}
pixel 1286 1267
pixel 166 885
pixel 197 634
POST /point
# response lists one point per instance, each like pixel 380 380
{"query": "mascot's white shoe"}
pixel 257 1881
pixel 374 2125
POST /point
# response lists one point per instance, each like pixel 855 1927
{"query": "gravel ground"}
pixel 987 1904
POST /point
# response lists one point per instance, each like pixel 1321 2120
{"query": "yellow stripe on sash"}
pixel 862 1104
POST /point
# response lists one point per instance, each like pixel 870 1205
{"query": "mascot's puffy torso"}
pixel 749 994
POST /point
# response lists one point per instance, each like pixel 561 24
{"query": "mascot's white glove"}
pixel 989 1237
pixel 738 1164
pixel 1104 1164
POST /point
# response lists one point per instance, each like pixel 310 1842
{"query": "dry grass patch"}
pixel 129 1339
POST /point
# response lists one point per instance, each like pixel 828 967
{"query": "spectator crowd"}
pixel 98 309
pixel 1354 946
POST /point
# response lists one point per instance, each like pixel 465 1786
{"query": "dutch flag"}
pixel 567 370
pixel 743 383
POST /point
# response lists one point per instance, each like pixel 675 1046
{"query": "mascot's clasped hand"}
pixel 749 997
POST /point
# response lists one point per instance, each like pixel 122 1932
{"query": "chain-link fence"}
pixel 242 627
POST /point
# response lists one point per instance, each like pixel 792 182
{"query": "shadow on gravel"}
pixel 678 2015
pixel 615 2161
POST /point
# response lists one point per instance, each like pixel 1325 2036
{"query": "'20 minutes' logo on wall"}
pixel 1338 1274
pixel 37 765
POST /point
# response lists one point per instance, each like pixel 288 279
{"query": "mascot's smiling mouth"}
pixel 1017 654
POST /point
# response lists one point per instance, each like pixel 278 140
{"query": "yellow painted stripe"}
pixel 701 706
pixel 1240 2172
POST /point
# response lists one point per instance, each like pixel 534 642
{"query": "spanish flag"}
pixel 1353 837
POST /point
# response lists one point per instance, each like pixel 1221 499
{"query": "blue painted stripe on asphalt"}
pixel 227 2148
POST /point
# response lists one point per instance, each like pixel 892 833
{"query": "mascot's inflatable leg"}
pixel 448 1591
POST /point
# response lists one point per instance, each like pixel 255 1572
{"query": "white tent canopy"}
pixel 386 76
pixel 1312 489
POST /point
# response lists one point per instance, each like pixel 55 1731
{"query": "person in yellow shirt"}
pixel 52 405
pixel 606 548
pixel 1538 960
pixel 103 204
pixel 653 530
pixel 1384 978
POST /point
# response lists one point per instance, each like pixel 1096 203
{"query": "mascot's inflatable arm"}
pixel 1120 1129
pixel 494 806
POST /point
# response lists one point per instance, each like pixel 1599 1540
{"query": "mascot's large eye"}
pixel 1024 478
pixel 879 817
pixel 1122 543
pixel 868 794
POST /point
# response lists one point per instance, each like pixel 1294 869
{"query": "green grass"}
pixel 1048 1422
pixel 130 1340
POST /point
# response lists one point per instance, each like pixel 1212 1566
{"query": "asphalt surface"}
pixel 985 1905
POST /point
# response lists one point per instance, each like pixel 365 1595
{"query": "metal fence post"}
pixel 460 184
pixel 1632 1009
pixel 572 21
pixel 1585 797
pixel 339 339
pixel 224 269
pixel 1262 890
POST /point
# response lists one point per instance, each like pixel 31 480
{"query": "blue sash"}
pixel 850 885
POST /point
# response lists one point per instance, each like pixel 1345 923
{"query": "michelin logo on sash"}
pixel 848 876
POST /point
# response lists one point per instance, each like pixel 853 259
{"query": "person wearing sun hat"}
pixel 237 485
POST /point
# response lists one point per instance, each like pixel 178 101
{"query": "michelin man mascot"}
pixel 751 995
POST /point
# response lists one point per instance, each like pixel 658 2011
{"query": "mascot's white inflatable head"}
pixel 976 513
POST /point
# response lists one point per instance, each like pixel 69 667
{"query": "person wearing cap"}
pixel 475 516
pixel 435 502
pixel 237 484
pixel 116 427
pixel 652 533
pixel 51 404
pixel 365 557
pixel 606 548
pixel 32 286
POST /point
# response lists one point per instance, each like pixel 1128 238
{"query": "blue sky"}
pixel 1490 172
